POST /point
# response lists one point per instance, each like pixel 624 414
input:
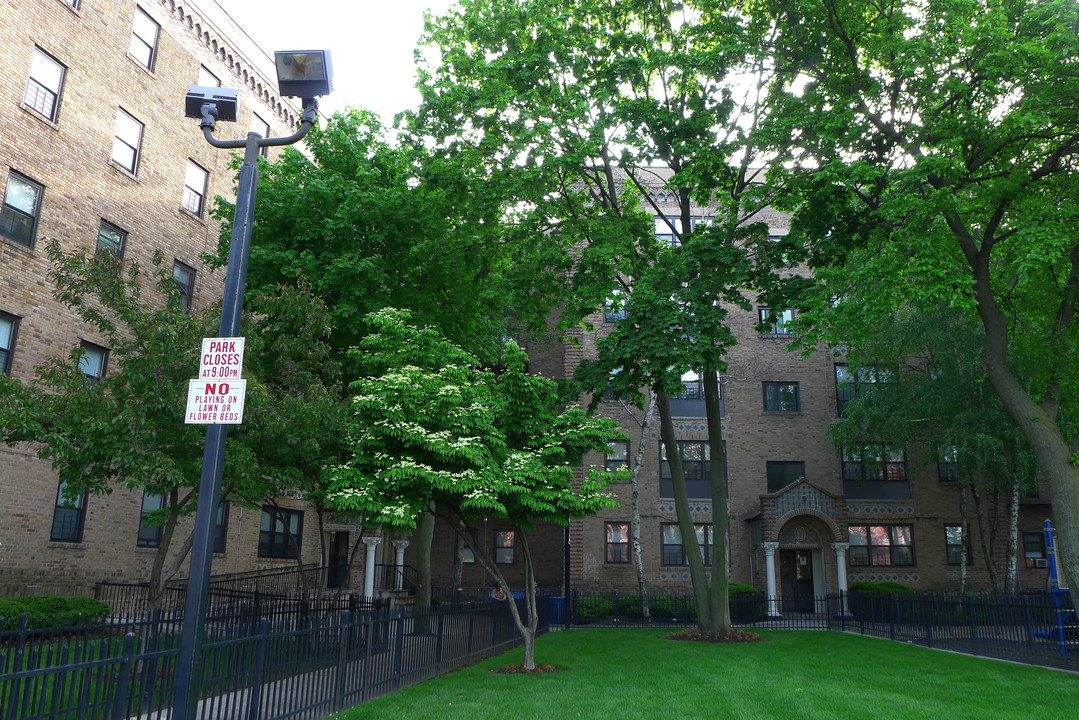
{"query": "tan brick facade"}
pixel 70 157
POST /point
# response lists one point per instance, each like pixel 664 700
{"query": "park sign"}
pixel 217 396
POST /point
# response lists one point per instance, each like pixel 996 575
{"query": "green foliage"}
pixel 48 611
pixel 429 425
pixel 593 607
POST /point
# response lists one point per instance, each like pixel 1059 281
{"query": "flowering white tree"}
pixel 431 427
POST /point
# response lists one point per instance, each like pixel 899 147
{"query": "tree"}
pixel 585 114
pixel 430 427
pixel 928 386
pixel 127 429
pixel 936 145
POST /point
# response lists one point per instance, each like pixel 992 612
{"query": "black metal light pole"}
pixel 213 104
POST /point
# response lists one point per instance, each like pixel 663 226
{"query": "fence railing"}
pixel 1040 629
pixel 292 665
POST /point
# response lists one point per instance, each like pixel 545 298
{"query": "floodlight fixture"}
pixel 304 73
pixel 224 101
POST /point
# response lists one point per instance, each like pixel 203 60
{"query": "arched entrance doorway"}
pixel 801 566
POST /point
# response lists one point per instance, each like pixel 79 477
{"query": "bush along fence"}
pixel 292 665
pixel 1040 629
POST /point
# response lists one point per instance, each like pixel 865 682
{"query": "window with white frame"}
pixel 68 516
pixel 144 34
pixel 184 275
pixel 505 544
pixel 150 528
pixel 260 126
pixel 110 239
pixel 9 325
pixel 776 322
pixel 616 542
pixel 881 545
pixel 45 85
pixel 127 142
pixel 93 360
pixel 195 179
pixel 668 231
pixel 207 78
pixel 21 209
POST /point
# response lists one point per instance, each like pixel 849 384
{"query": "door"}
pixel 337 563
pixel 796 580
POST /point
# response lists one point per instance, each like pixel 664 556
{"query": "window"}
pixel 22 205
pixel 782 473
pixel 185 283
pixel 126 142
pixel 207 78
pixel 280 533
pixel 690 402
pixel 674 552
pixel 781 397
pixel 260 126
pixel 194 188
pixel 696 462
pixel 150 535
pixel 143 45
pixel 664 232
pixel 68 516
pixel 110 239
pixel 946 456
pixel 1033 547
pixel 850 384
pixel 92 360
pixel 74 4
pixel 505 540
pixel 45 84
pixel 221 527
pixel 617 542
pixel 9 324
pixel 881 545
pixel 692 387
pixel 876 463
pixel 468 557
pixel 958 550
pixel 617 455
pixel 779 324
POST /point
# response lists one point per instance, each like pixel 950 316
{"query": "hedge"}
pixel 49 611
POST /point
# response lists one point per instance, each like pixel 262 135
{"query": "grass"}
pixel 795 675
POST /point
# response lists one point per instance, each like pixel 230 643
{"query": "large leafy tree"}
pixel 928 387
pixel 939 141
pixel 431 428
pixel 590 118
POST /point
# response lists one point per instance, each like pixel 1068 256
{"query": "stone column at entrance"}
pixel 369 566
pixel 770 571
pixel 399 563
pixel 840 549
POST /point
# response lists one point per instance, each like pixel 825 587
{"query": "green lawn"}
pixel 628 674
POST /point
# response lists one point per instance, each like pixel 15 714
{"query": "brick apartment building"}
pixel 797 509
pixel 95 151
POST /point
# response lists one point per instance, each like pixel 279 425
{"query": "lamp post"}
pixel 306 75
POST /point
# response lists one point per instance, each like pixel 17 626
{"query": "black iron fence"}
pixel 299 664
pixel 1040 629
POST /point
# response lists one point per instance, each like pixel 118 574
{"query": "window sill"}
pixel 43 119
pixel 187 213
pixel 138 63
pixel 123 171
pixel 72 545
pixel 15 244
pixel 781 413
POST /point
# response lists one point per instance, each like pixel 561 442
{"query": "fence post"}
pixel 123 685
pixel 1029 622
pixel 895 614
pixel 20 646
pixel 368 651
pixel 342 661
pixel 471 632
pixel 440 633
pixel 398 651
pixel 254 699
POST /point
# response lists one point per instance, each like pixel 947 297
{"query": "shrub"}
pixel 593 607
pixel 747 603
pixel 49 611
pixel 877 601
pixel 10 610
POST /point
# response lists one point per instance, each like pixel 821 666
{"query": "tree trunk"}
pixel 706 618
pixel 155 591
pixel 985 536
pixel 1010 581
pixel 721 610
pixel 635 502
pixel 963 538
pixel 425 534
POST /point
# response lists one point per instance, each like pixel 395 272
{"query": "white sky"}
pixel 370 43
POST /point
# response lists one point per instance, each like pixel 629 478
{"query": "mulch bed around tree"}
pixel 519 669
pixel 697 635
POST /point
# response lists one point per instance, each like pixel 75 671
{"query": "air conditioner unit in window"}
pixel 1041 563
